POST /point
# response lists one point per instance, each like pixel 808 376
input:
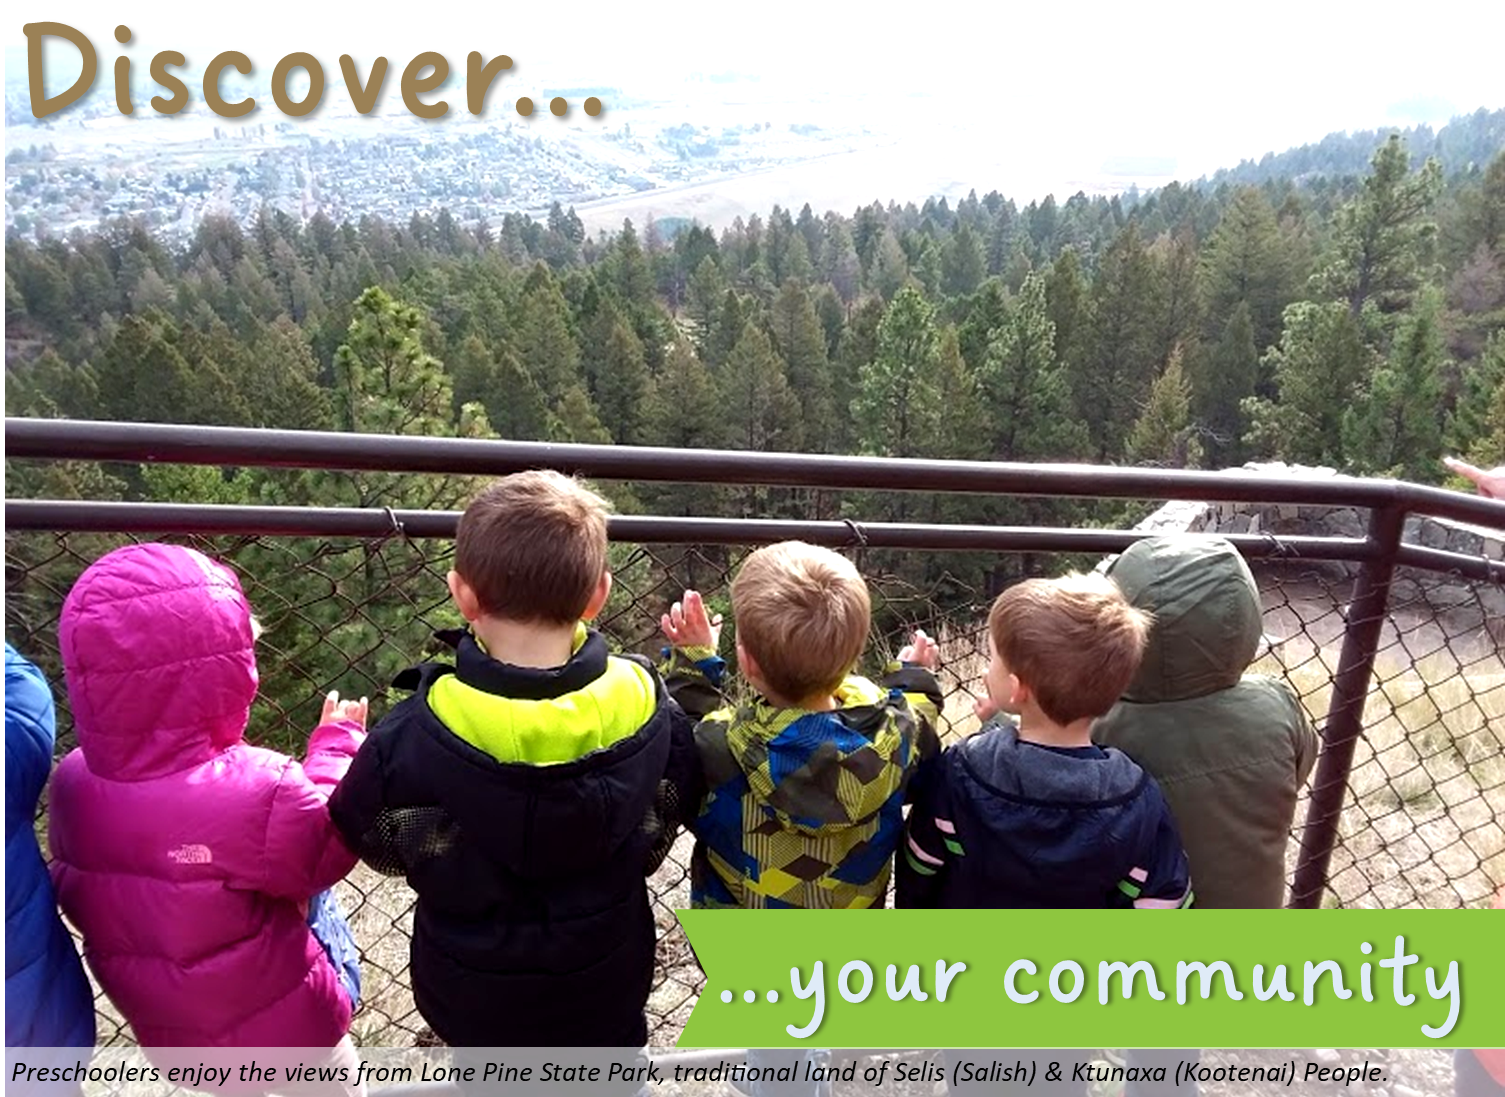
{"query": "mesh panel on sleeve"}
pixel 403 838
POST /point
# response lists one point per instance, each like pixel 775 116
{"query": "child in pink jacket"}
pixel 197 867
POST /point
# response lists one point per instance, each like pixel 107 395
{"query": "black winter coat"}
pixel 533 925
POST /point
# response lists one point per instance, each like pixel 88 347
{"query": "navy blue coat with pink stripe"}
pixel 1001 822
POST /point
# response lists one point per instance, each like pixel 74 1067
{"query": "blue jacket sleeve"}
pixel 30 734
pixel 929 843
pixel 1162 878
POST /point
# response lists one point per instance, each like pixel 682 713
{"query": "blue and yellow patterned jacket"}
pixel 804 809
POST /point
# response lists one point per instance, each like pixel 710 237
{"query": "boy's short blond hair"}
pixel 533 547
pixel 802 612
pixel 1075 642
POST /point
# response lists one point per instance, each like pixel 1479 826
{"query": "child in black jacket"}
pixel 528 790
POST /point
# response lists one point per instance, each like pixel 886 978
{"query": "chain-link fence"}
pixel 1423 819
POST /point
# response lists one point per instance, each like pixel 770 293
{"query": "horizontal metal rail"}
pixel 1378 552
pixel 188 518
pixel 89 440
pixel 1470 567
pixel 252 521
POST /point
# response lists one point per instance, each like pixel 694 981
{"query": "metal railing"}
pixel 1404 807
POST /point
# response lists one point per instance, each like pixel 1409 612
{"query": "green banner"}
pixel 1080 978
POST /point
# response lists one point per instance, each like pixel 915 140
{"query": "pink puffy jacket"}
pixel 184 856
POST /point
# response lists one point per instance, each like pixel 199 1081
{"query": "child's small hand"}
pixel 688 625
pixel 335 709
pixel 985 708
pixel 921 650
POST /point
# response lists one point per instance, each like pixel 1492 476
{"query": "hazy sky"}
pixel 1199 82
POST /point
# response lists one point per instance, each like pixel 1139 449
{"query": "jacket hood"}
pixel 824 770
pixel 1027 772
pixel 159 660
pixel 1208 622
pixel 567 820
pixel 543 821
pixel 1058 812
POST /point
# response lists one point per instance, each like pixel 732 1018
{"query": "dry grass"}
pixel 1422 819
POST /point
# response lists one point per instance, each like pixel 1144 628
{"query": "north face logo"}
pixel 191 855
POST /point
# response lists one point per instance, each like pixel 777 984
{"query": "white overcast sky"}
pixel 1184 79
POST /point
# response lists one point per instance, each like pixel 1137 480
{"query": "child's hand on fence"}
pixel 921 651
pixel 1491 483
pixel 335 709
pixel 688 625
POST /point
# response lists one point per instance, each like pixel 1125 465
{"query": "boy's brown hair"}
pixel 803 613
pixel 533 547
pixel 1076 642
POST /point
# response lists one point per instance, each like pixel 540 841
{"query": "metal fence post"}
pixel 1345 713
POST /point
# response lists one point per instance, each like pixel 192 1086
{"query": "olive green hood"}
pixel 1208 622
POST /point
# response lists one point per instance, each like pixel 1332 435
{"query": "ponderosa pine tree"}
pixel 280 380
pixel 1482 381
pixel 144 376
pixel 840 265
pixel 726 330
pixel 703 300
pixel 622 386
pixel 1478 218
pixel 798 337
pixel 1023 386
pixel 1488 450
pixel 761 412
pixel 964 433
pixel 385 382
pixel 1245 262
pixel 897 407
pixel 797 267
pixel 631 280
pixel 833 318
pixel 1162 434
pixel 575 419
pixel 1113 378
pixel 684 411
pixel 1384 238
pixel 1180 320
pixel 1320 366
pixel 542 337
pixel 1393 429
pixel 986 311
pixel 1067 305
pixel 1224 378
pixel 1018 267
pixel 813 230
pixel 498 382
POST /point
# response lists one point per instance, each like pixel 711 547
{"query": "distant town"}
pixel 89 165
